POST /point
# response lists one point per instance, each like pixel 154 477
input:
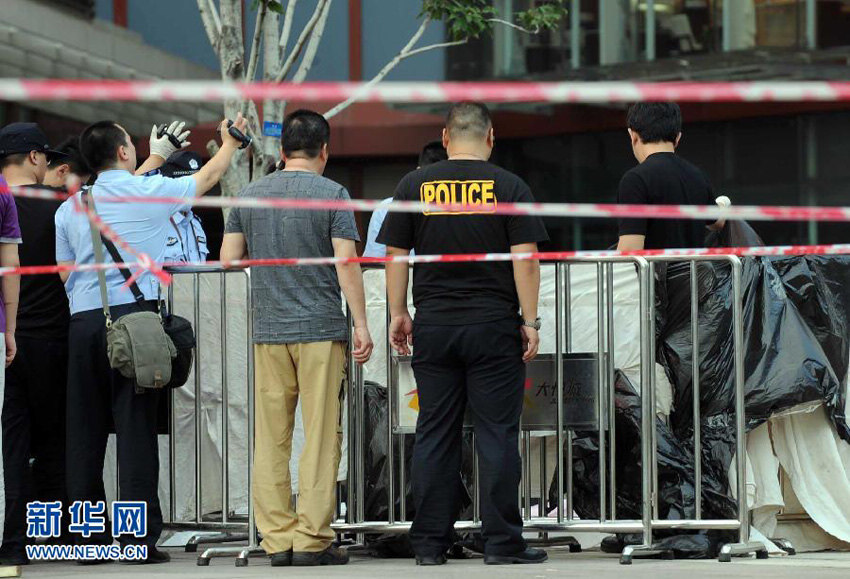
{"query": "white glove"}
pixel 172 140
pixel 723 201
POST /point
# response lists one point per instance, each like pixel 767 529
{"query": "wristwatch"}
pixel 536 324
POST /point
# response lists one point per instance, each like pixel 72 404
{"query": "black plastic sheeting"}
pixel 676 487
pixel 796 351
pixel 795 334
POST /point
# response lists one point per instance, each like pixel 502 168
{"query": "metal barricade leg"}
pixel 244 551
pixel 744 546
pixel 647 313
pixel 224 537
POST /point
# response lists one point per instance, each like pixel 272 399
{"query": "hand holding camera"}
pixel 235 132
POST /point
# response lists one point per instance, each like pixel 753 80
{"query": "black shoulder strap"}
pixel 116 257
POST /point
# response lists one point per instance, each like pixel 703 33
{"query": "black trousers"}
pixel 33 433
pixel 478 364
pixel 98 398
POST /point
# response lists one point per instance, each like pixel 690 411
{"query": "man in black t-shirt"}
pixel 34 399
pixel 471 343
pixel 661 178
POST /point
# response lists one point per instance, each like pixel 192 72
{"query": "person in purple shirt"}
pixel 10 238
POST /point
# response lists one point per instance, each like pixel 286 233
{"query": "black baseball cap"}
pixel 23 138
pixel 181 164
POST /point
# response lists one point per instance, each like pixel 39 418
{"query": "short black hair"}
pixel 433 152
pixel 13 160
pixel 74 159
pixel 306 132
pixel 468 120
pixel 99 144
pixel 656 122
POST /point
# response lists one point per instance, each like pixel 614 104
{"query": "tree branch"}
pixel 313 45
pixel 271 54
pixel 434 47
pixel 212 25
pixel 232 53
pixel 306 33
pixel 514 26
pixel 254 59
pixel 405 53
pixel 287 30
pixel 214 12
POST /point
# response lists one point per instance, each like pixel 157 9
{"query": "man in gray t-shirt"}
pixel 300 333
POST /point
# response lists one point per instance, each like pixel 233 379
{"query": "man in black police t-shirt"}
pixel 471 343
pixel 662 178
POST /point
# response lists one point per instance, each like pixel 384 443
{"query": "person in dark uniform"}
pixel 476 327
pixel 34 399
pixel 661 178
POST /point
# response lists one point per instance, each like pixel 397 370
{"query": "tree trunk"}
pixel 232 60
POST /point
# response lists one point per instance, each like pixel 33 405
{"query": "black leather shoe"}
pixel 429 560
pixel 330 556
pixel 282 559
pixel 14 559
pixel 155 556
pixel 530 555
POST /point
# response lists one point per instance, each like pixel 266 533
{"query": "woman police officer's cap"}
pixel 181 164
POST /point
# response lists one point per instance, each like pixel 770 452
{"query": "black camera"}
pixel 160 132
pixel 246 140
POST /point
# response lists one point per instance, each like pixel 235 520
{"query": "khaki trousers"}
pixel 312 372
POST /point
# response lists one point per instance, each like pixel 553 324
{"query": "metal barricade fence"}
pixel 397 520
pixel 228 526
pixel 741 524
pixel 352 493
pixel 395 482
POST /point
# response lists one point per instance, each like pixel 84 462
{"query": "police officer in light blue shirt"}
pixel 186 241
pixel 433 152
pixel 99 397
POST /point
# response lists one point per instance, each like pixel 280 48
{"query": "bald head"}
pixel 468 121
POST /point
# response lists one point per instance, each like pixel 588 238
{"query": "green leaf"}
pixel 544 16
pixel 465 19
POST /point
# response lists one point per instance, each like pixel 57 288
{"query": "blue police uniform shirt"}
pixel 186 241
pixel 373 248
pixel 144 226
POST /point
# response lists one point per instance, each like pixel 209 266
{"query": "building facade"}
pixel 756 154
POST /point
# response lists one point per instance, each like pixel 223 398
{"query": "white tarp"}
pixel 816 462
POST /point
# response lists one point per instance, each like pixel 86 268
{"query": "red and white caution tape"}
pixel 593 210
pixel 145 263
pixel 784 250
pixel 16 89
